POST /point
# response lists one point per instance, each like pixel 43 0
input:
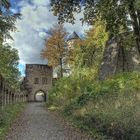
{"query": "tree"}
pixel 7 20
pixel 8 55
pixel 9 64
pixel 118 15
pixel 55 47
pixel 94 44
pixel 5 3
pixel 89 51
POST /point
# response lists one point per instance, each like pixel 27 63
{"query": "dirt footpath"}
pixel 38 124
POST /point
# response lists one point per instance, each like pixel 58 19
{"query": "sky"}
pixel 32 29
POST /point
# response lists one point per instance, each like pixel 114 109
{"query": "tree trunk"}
pixel 138 14
pixel 124 59
pixel 135 24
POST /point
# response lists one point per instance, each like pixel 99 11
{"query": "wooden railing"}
pixel 9 95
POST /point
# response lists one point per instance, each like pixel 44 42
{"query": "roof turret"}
pixel 74 35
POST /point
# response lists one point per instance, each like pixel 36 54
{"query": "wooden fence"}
pixel 9 95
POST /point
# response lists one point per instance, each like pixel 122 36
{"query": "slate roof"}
pixel 74 35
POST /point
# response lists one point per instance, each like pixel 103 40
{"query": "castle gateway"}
pixel 37 82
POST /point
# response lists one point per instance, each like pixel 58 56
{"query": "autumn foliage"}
pixel 55 49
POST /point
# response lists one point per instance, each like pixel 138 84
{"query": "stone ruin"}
pixel 116 60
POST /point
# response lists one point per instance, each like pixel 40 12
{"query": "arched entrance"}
pixel 40 96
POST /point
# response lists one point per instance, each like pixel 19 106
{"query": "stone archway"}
pixel 38 77
pixel 40 96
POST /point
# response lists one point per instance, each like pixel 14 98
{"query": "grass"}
pixel 108 110
pixel 7 116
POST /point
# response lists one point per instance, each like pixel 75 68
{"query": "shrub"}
pixel 7 115
pixel 109 107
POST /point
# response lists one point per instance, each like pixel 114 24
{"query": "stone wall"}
pixel 38 78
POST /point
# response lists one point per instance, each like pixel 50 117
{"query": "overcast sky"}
pixel 32 27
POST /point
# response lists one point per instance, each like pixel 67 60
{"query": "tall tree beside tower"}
pixel 8 56
pixel 55 49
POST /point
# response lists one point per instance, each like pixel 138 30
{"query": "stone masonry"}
pixel 37 78
pixel 116 60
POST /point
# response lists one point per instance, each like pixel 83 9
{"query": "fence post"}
pixel 1 91
pixel 5 96
pixel 1 95
pixel 10 97
pixel 13 99
pixel 18 98
pixel 24 98
pixel 21 98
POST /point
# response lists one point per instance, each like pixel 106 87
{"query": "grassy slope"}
pixel 7 116
pixel 107 110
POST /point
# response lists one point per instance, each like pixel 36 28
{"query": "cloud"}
pixel 31 29
pixel 41 2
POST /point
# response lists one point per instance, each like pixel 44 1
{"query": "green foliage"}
pixel 8 64
pixel 94 44
pixel 7 116
pixel 72 86
pixel 5 3
pixel 8 56
pixel 7 21
pixel 109 108
pixel 113 12
pixel 137 4
pixel 89 51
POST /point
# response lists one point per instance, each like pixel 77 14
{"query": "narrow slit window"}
pixel 36 81
pixel 44 80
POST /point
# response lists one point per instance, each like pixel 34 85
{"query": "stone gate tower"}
pixel 37 78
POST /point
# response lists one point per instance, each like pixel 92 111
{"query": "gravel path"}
pixel 38 124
